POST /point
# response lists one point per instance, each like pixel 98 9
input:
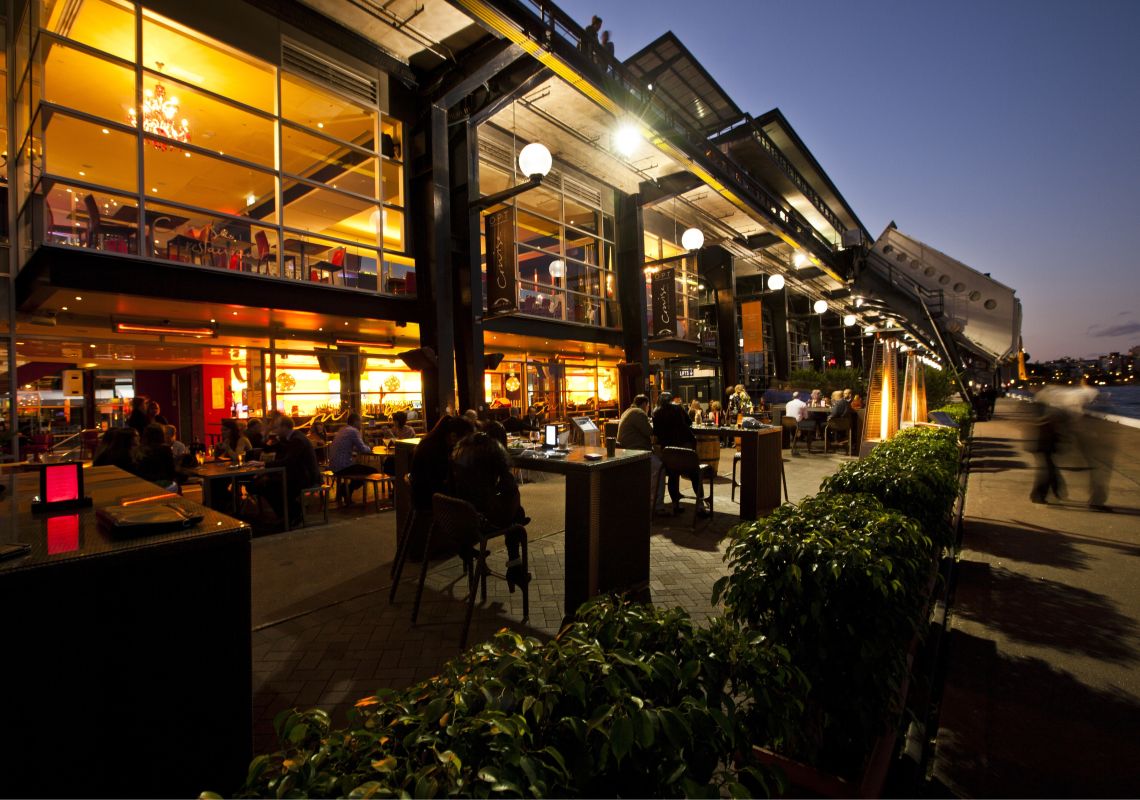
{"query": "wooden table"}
pixel 214 471
pixel 761 464
pixel 145 639
pixel 304 249
pixel 607 530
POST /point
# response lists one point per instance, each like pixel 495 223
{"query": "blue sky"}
pixel 1004 133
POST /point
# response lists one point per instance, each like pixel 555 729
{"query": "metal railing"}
pixel 549 21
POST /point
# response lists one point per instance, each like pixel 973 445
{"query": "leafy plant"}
pixel 627 701
pixel 963 414
pixel 915 473
pixel 839 582
pixel 939 386
pixel 829 380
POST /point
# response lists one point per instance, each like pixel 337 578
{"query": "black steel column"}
pixel 815 341
pixel 468 299
pixel 714 267
pixel 430 207
pixel 777 304
pixel 629 266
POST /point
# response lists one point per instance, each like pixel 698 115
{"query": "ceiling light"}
pixel 250 199
pixel 692 239
pixel 849 320
pixel 82 174
pixel 557 268
pixel 799 259
pixel 776 282
pixel 106 131
pixel 77 297
pixel 320 125
pixel 91 345
pixel 858 302
pixel 158 117
pixel 820 306
pixel 626 139
pixel 63 308
pixel 535 159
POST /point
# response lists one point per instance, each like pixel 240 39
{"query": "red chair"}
pixel 38 444
pixel 332 266
pixel 235 261
pixel 265 256
pixel 410 283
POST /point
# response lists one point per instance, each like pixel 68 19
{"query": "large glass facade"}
pixel 564 238
pixel 564 386
pixel 142 136
pixel 663 251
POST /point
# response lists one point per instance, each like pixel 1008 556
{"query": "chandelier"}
pixel 512 383
pixel 159 115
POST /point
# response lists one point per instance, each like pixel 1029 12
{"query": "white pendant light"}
pixel 849 320
pixel 692 239
pixel 820 306
pixel 799 259
pixel 535 159
pixel 557 268
pixel 776 282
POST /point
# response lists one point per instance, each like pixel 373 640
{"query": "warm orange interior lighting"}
pixel 355 343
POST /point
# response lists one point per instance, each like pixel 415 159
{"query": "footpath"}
pixel 1042 687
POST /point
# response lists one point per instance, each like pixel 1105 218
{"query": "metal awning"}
pixel 684 85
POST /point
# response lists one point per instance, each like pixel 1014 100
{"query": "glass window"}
pixel 327 161
pixel 77 79
pixel 194 59
pixel 85 151
pixel 211 183
pixel 393 183
pixel 319 209
pixel 106 25
pixel 316 107
pixel 209 122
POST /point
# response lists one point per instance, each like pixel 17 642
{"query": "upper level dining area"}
pixel 142 136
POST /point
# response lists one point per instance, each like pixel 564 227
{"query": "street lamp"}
pixel 692 239
pixel 776 282
pixel 535 162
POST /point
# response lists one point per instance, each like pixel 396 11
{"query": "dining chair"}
pixel 265 255
pixel 466 532
pixel 833 429
pixel 334 264
pixel 94 221
pixel 684 460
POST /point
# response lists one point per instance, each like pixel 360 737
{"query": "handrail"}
pixel 553 21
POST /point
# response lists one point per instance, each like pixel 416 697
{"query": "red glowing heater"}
pixel 163 329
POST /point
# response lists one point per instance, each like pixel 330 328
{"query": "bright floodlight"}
pixel 626 139
pixel 799 259
pixel 849 320
pixel 534 159
pixel 820 306
pixel 692 239
pixel 557 268
pixel 776 282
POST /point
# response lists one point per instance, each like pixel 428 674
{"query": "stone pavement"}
pixel 1042 690
pixel 325 635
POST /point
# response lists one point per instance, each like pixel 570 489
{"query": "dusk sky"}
pixel 1005 134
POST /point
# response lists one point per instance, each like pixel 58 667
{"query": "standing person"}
pixel 345 444
pixel 295 453
pixel 608 44
pixel 672 427
pixel 590 35
pixel 635 432
pixel 138 419
pixel 716 413
pixel 1048 424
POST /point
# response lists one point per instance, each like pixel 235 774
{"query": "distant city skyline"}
pixel 1003 134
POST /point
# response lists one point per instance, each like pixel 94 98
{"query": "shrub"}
pixel 838 581
pixel 963 414
pixel 629 701
pixel 915 473
pixel 829 380
pixel 939 386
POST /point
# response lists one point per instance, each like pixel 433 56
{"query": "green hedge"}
pixel 915 473
pixel 629 701
pixel 839 581
pixel 963 414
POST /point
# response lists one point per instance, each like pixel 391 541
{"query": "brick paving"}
pixel 325 634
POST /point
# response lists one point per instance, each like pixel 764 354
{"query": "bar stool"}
pixel 320 490
pixel 684 460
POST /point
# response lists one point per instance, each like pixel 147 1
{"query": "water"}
pixel 1122 400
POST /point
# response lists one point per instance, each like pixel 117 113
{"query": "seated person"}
pixel 672 428
pixel 840 406
pixel 155 461
pixel 177 447
pixel 255 434
pixel 119 451
pixel 233 442
pixel 295 453
pixel 345 444
pixel 431 465
pixel 481 475
pixel 399 429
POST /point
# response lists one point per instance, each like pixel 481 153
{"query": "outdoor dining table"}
pixel 146 635
pixel 214 471
pixel 606 528
pixel 761 466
